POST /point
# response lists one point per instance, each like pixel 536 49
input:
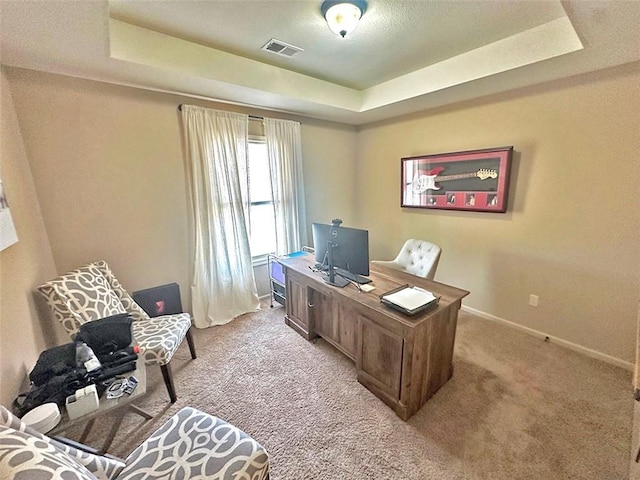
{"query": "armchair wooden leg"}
pixel 168 381
pixel 192 346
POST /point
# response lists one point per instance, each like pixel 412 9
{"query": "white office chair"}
pixel 417 257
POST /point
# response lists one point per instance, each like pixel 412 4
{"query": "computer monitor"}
pixel 349 246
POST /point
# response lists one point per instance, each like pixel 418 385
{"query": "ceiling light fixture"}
pixel 343 16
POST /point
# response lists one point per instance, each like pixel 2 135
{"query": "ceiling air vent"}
pixel 281 48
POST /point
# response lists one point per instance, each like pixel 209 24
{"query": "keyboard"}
pixel 354 277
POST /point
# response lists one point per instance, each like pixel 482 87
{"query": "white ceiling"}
pixel 405 56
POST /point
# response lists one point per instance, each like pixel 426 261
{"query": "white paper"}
pixel 410 298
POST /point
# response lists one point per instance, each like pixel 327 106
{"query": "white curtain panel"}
pixel 284 148
pixel 224 285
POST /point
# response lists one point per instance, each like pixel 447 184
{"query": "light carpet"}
pixel 516 407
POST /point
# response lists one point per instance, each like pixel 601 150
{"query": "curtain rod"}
pixel 255 117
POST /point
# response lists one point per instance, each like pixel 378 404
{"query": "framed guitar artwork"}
pixel 475 180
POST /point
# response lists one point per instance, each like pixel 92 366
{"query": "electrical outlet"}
pixel 533 300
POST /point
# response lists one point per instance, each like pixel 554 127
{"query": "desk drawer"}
pixel 379 358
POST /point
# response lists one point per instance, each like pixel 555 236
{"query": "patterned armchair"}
pixel 191 444
pixel 92 292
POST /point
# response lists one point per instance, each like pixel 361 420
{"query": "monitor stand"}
pixel 330 277
pixel 336 281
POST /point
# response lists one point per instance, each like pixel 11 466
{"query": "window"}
pixel 262 231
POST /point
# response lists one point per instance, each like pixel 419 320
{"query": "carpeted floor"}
pixel 515 408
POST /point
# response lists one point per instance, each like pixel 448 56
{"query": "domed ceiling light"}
pixel 343 16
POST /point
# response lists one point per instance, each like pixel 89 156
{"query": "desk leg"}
pixel 141 412
pixel 116 425
pixel 87 429
pixel 119 416
pixel 112 431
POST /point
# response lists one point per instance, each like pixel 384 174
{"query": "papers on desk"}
pixel 409 299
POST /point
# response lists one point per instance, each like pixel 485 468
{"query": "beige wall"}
pixel 571 233
pixel 329 169
pixel 24 265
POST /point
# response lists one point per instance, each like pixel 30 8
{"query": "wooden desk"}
pixel 402 359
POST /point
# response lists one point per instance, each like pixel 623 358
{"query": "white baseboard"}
pixel 570 345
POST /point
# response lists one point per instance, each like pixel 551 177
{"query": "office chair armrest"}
pixel 387 263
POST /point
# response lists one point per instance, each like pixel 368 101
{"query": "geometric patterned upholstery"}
pixel 160 337
pixel 417 257
pixel 194 444
pixel 191 444
pixel 25 457
pixel 103 468
pixel 28 454
pixel 81 296
pixel 92 292
pixel 129 305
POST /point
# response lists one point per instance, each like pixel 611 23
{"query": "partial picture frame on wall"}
pixel 472 180
pixel 8 235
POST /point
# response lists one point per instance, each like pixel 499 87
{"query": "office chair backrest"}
pixel 419 258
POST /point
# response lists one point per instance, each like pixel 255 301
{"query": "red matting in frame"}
pixel 474 180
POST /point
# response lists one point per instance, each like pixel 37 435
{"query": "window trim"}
pixel 262 258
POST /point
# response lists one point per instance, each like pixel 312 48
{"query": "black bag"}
pixel 54 377
pixel 56 374
pixel 55 390
pixel 54 362
pixel 107 335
